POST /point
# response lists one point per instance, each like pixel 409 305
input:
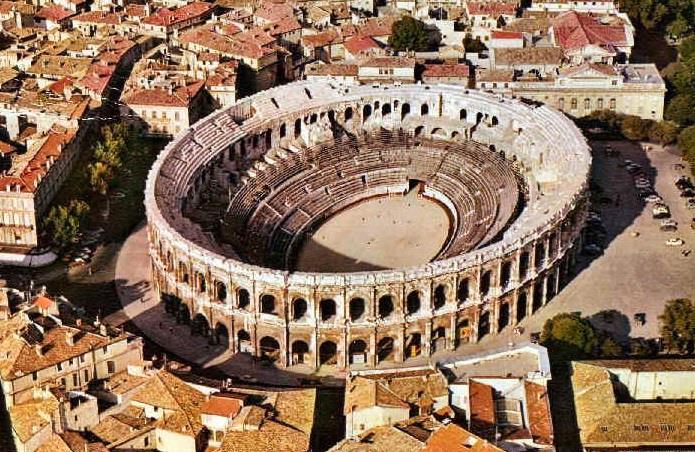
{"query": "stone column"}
pixel 451 339
pixel 427 339
pixel 400 347
pixel 371 358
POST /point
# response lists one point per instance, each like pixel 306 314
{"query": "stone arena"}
pixel 319 224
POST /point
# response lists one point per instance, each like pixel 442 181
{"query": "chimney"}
pixel 39 349
pixel 70 338
pixel 102 330
pixel 78 322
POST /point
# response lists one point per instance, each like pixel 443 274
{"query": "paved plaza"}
pixel 636 273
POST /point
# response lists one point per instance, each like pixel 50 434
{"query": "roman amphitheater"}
pixel 319 224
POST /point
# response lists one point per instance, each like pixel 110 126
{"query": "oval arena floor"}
pixel 385 232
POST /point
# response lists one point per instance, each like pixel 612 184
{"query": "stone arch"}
pixel 550 288
pixel 328 353
pixel 243 299
pixel 184 314
pixel 503 317
pixel 358 352
pixel 268 304
pixel 268 135
pixel 424 110
pixel 478 118
pixel 537 296
pixel 418 130
pixel 221 290
pixel 484 324
pixel 524 263
pixel 385 350
pixel 463 331
pixel 200 325
pixel 485 283
pixel 439 296
pixel 366 112
pixel 505 274
pixel 539 254
pixel 385 306
pixel 494 121
pixel 357 308
pixel 386 109
pixel 169 262
pixel 405 110
pixel 300 352
pixel 244 341
pixel 348 113
pixel 283 130
pixel 413 302
pixel 270 348
pixel 221 335
pixel 297 127
pixel 438 131
pixel 464 290
pixel 521 306
pixel 327 309
pixel 183 273
pixel 455 135
pixel 462 114
pixel 300 308
pixel 413 345
pixel 438 339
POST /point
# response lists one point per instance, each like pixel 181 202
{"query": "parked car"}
pixel 653 198
pixel 683 182
pixel 668 226
pixel 687 193
pixel 661 211
pixel 675 242
pixel 690 203
pixel 592 249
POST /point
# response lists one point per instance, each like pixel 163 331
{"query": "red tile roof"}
pixel 501 34
pixel 538 407
pixel 575 30
pixel 43 302
pixel 221 406
pixel 494 9
pixel 482 416
pixel 165 17
pixel 446 70
pixel 453 438
pixel 53 13
pixel 359 44
pixel 179 97
pixel 98 17
pixel 273 12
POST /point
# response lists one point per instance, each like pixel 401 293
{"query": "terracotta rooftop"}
pixel 402 62
pixel 380 439
pixel 60 66
pixel 221 406
pixel 538 407
pixel 29 417
pixel 43 302
pixel 274 12
pixel 180 96
pixel 452 438
pixel 165 17
pixel 529 55
pixel 446 70
pixel 98 17
pixel 482 405
pixel 360 44
pixel 337 70
pixel 494 9
pixel 504 34
pixel 605 69
pixel 54 13
pixel 491 75
pixel 573 30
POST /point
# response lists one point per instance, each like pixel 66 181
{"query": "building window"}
pixel 667 427
pixel 176 115
pixel 86 375
pixel 146 441
pixel 75 380
pixel 561 103
pixel 111 367
pixel 587 104
pixel 34 376
pixel 164 115
pixel 60 366
pixel 573 105
pixel 612 104
pixel 154 114
pixel 599 104
pixel 105 349
pixel 604 428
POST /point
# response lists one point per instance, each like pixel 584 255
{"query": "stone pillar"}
pixel 451 339
pixel 399 352
pixel 427 339
pixel 474 325
pixel 371 359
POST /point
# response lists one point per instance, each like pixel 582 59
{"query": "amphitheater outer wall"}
pixel 461 299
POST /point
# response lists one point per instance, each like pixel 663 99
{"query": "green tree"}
pixel 409 34
pixel 65 222
pixel 686 143
pixel 610 348
pixel 635 128
pixel 678 325
pixel 663 132
pixel 100 175
pixel 680 109
pixel 473 45
pixel 568 337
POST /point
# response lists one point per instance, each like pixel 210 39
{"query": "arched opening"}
pixel 268 139
pixel 267 304
pixel 437 131
pixel 170 262
pixel 506 274
pixel 183 273
pixel 297 127
pixel 418 130
pixel 244 299
pixel 200 325
pixel 524 265
pixel 455 135
pixel 478 118
pixel 405 110
pixel 485 281
pixel 385 306
pixel 184 315
pixel 540 255
pixel 221 335
pixel 348 113
pixel 424 110
pixel 300 352
pixel 357 308
pixel 328 354
pixel 462 114
pixel 495 121
pixel 327 309
pixel 413 345
pixel 385 109
pixel 439 296
pixel 244 341
pixel 221 290
pixel 550 288
pixel 283 130
pixel 270 349
pixel 484 325
pixel 503 317
pixel 313 118
pixel 412 302
pixel 385 350
pixel 537 296
pixel 299 309
pixel 358 352
pixel 463 292
pixel 376 105
pixel 438 339
pixel 366 112
pixel 552 242
pixel 521 307
pixel 463 332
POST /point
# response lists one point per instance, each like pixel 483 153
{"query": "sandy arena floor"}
pixel 385 232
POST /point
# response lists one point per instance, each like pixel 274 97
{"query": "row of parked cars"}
pixel 83 251
pixel 594 234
